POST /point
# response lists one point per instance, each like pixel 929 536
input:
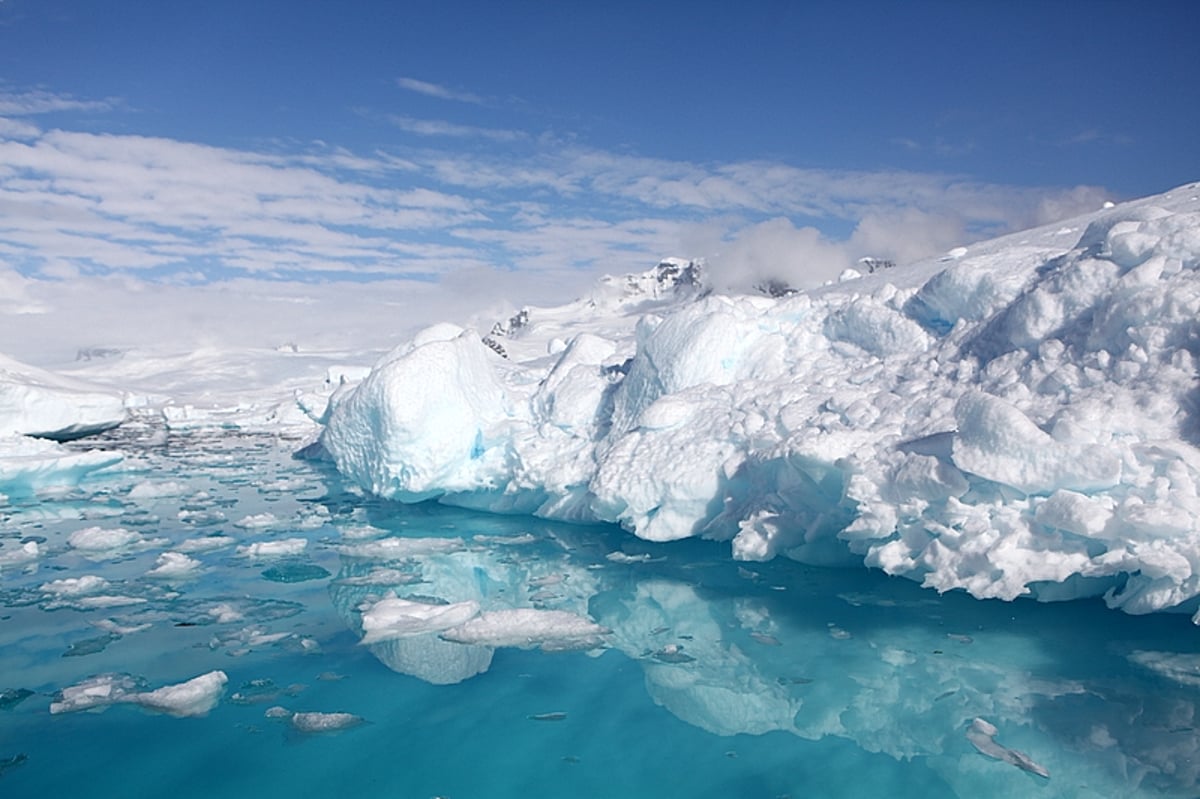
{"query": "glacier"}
pixel 1018 417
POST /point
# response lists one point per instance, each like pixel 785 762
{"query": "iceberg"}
pixel 34 402
pixel 32 464
pixel 1020 417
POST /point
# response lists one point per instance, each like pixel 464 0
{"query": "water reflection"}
pixel 980 690
pixel 1105 703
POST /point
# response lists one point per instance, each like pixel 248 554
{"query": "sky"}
pixel 429 158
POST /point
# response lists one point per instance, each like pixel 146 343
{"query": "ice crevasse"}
pixel 1021 416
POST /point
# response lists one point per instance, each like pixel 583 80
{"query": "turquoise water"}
pixel 716 679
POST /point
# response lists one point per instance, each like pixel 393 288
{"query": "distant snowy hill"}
pixel 1020 416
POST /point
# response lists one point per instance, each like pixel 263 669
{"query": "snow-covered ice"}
pixel 195 697
pixel 34 402
pixel 1019 417
pixel 549 630
pixel 392 617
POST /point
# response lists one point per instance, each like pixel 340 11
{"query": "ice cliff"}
pixel 34 402
pixel 38 409
pixel 1017 417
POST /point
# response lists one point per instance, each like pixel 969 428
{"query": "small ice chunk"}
pixel 257 521
pixel 74 586
pixel 393 617
pixel 96 539
pixel 116 628
pixel 274 549
pixel 108 601
pixel 982 736
pixel 94 693
pixel 225 613
pixel 153 490
pixel 325 722
pixel 205 543
pixel 26 553
pixel 622 557
pixel 173 565
pixel 526 628
pixel 195 697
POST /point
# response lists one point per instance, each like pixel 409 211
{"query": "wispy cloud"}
pixel 33 102
pixel 1097 136
pixel 75 204
pixel 438 91
pixel 105 202
pixel 435 127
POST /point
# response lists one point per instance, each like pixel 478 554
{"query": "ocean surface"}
pixel 712 678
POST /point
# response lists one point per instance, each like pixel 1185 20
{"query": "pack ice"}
pixel 1017 417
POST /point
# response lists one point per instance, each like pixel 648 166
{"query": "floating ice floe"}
pixel 21 555
pixel 1018 418
pixel 196 697
pixel 528 628
pixel 257 521
pixel 314 722
pixel 105 540
pixel 274 549
pixel 173 565
pixel 392 617
pixel 75 586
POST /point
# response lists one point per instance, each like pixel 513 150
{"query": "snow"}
pixel 1018 417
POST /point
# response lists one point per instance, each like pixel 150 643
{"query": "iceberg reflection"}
pixel 995 690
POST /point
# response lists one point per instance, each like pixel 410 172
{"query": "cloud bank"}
pixel 519 212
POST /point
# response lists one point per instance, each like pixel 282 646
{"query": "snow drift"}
pixel 1017 417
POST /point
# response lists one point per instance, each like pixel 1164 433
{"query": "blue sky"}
pixel 471 143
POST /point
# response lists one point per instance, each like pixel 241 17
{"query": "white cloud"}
pixel 777 250
pixel 42 102
pixel 437 90
pixel 434 127
pixel 905 235
pixel 115 221
pixel 128 202
pixel 17 129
